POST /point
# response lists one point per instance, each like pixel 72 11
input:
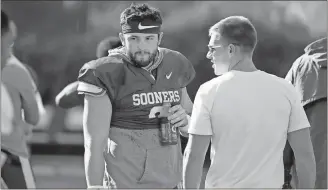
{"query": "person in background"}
pixel 16 171
pixel 248 115
pixel 7 109
pixel 7 40
pixel 309 76
pixel 69 97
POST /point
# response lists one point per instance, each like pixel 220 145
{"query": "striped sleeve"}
pixel 90 89
pixel 90 81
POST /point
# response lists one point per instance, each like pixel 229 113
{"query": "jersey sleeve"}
pixel 90 82
pixel 99 77
pixel 187 71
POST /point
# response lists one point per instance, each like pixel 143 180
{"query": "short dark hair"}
pixel 4 22
pixel 238 30
pixel 140 12
pixel 107 44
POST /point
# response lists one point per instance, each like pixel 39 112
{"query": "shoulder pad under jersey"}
pixel 100 76
pixel 180 64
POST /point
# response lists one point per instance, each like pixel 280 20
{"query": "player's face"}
pixel 142 48
pixel 7 41
pixel 219 53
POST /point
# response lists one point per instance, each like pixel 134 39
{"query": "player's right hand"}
pixel 178 116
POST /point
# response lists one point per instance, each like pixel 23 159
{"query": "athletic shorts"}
pixel 136 159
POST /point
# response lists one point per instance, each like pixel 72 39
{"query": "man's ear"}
pixel 122 38
pixel 160 36
pixel 232 49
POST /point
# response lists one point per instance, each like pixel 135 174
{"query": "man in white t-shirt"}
pixel 248 115
pixel 7 39
pixel 7 110
pixel 16 171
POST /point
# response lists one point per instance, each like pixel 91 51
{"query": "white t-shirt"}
pixel 25 81
pixel 248 115
pixel 7 111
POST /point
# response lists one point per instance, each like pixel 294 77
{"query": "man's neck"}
pixel 245 64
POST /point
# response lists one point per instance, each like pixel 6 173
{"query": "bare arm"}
pixel 200 133
pixel 69 96
pixel 30 107
pixel 193 162
pixel 300 142
pixel 41 107
pixel 96 124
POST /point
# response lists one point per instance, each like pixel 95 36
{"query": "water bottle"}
pixel 168 134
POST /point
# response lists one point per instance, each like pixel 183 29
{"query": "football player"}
pixel 69 97
pixel 121 93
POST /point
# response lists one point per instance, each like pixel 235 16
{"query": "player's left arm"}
pixel 97 82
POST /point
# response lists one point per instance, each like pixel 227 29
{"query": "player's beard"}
pixel 142 62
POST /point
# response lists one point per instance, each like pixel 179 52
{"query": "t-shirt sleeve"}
pixel 297 119
pixel 19 78
pixel 200 121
